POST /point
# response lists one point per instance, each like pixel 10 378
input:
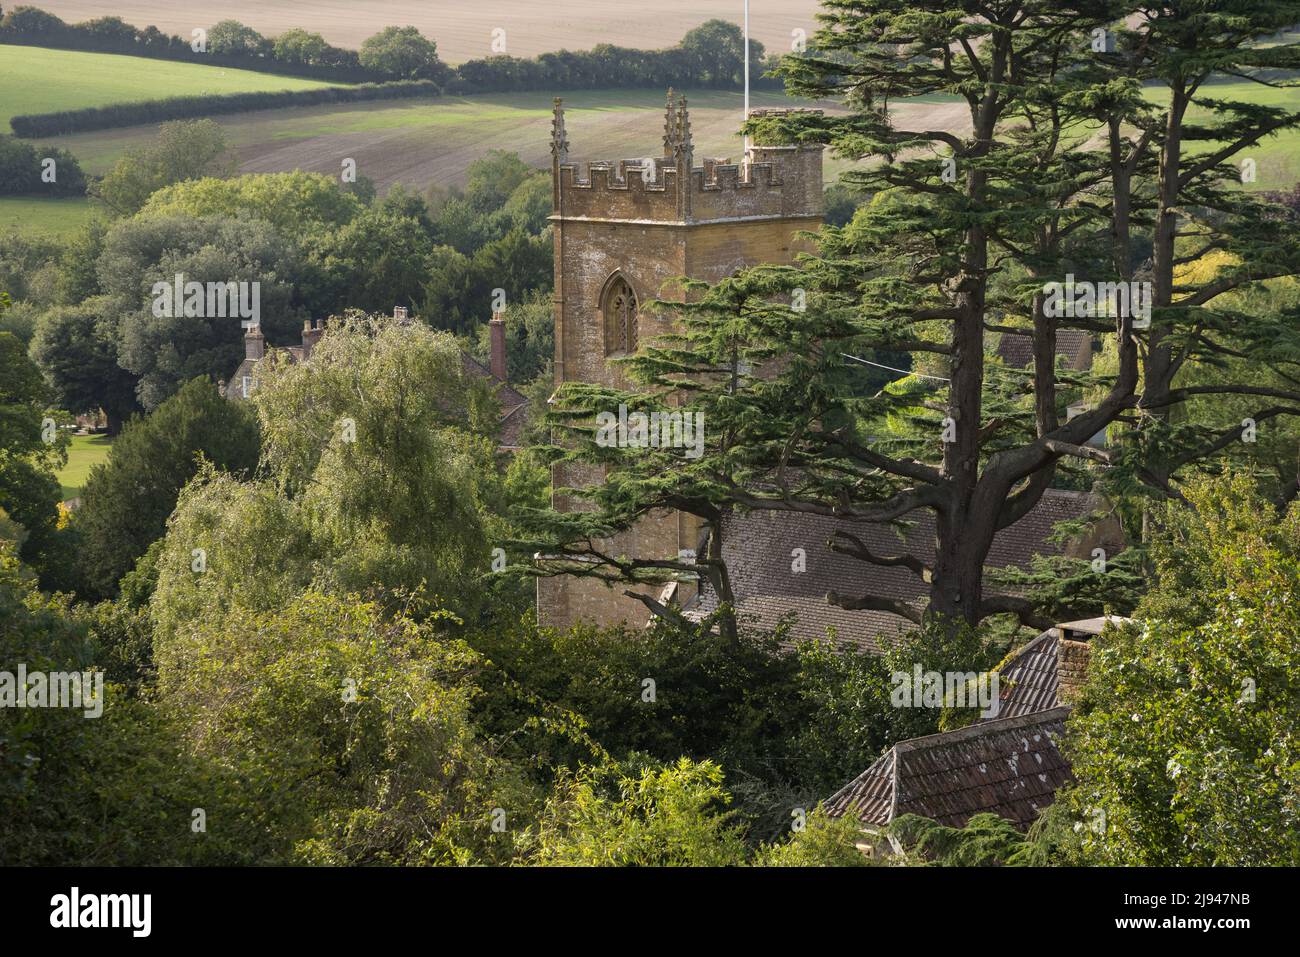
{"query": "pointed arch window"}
pixel 619 309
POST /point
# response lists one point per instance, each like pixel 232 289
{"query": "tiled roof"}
pixel 1047 672
pixel 1028 682
pixel 514 406
pixel 248 367
pixel 1010 766
pixel 1074 345
pixel 759 550
pixel 814 618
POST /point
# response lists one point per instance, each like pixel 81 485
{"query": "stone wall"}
pixel 612 222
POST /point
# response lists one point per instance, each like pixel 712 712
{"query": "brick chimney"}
pixel 254 343
pixel 312 330
pixel 497 331
pixel 1072 652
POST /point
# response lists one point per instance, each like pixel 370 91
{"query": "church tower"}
pixel 623 231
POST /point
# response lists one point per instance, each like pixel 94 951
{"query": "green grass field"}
pixel 37 80
pixel 1277 158
pixel 43 218
pixel 85 453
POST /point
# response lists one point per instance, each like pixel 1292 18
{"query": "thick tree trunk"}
pixel 1158 371
pixel 956 589
pixel 719 579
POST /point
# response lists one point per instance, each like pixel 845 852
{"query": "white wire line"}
pixel 868 362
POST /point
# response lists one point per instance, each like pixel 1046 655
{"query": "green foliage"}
pixel 491 179
pixel 111 790
pixel 823 842
pixel 122 635
pixel 77 349
pixel 77 279
pixel 460 293
pixel 839 204
pixel 29 491
pixel 299 46
pixel 232 37
pixel 378 260
pixel 288 201
pixel 788 727
pixel 716 52
pixel 711 698
pixel 987 840
pixel 1184 742
pixel 377 469
pixel 19 320
pixel 176 108
pixel 230 546
pixel 126 502
pixel 185 149
pixel 662 816
pixel 24 270
pixel 400 52
pixel 22 168
pixel 350 731
pixel 530 337
pixel 163 352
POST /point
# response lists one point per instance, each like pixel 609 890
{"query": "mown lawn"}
pixel 37 80
pixel 85 452
pixel 1277 158
pixel 43 217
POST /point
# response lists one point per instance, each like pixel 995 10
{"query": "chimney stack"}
pixel 254 343
pixel 312 330
pixel 400 315
pixel 1072 651
pixel 497 331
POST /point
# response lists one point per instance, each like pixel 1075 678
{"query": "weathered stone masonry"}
pixel 622 231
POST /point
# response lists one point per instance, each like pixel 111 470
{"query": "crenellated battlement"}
pixel 777 181
pixel 625 233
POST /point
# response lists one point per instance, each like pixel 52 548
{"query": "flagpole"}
pixel 745 56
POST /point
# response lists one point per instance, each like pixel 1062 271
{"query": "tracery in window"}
pixel 620 318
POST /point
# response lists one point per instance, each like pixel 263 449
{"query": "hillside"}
pixel 432 141
pixel 37 80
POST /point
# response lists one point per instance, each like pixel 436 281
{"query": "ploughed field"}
pixel 464 30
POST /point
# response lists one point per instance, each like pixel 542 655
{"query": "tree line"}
pixel 229 44
pixel 140 112
pixel 711 55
